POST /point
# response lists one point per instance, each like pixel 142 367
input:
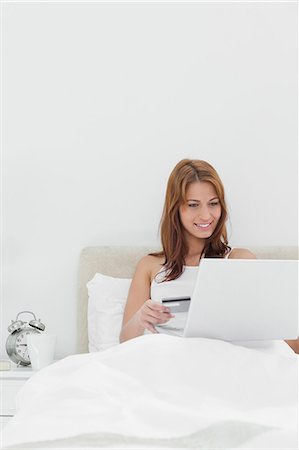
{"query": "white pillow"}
pixel 107 297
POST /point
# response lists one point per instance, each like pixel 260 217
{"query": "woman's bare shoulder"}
pixel 151 264
pixel 149 260
pixel 241 253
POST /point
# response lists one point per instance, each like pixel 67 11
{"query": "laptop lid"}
pixel 244 299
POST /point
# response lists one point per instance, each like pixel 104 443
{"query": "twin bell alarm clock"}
pixel 16 343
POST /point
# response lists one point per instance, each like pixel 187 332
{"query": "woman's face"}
pixel 202 210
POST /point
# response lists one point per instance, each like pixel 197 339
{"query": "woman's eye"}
pixel 194 205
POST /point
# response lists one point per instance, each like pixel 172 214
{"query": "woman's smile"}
pixel 203 226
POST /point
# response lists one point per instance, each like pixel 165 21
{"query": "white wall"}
pixel 100 101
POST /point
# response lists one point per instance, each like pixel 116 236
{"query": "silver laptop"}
pixel 244 299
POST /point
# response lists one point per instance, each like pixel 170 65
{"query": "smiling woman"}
pixel 200 213
pixel 192 228
pixel 194 216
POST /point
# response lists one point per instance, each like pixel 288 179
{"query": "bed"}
pixel 155 391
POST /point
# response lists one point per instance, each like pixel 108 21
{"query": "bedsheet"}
pixel 161 391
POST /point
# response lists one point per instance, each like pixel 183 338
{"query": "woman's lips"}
pixel 203 226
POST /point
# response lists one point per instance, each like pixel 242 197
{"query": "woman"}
pixel 192 227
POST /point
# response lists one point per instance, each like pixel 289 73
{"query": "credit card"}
pixel 177 304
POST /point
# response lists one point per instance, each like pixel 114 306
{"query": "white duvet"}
pixel 160 391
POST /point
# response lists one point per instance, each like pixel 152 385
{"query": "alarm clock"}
pixel 16 343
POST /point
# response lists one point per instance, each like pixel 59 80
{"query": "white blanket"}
pixel 160 391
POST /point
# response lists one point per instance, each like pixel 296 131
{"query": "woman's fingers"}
pixel 156 308
pixel 151 328
pixel 155 313
pixel 159 318
pixel 158 314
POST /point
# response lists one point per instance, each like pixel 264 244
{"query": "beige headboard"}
pixel 120 261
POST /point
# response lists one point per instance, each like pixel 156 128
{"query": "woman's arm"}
pixel 141 312
pixel 294 344
pixel 241 253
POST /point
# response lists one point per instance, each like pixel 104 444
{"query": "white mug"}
pixel 41 349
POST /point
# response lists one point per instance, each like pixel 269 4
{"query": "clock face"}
pixel 16 346
pixel 21 345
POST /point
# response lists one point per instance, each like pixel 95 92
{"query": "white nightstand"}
pixel 11 382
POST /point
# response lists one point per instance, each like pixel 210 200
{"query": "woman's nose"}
pixel 205 219
pixel 204 214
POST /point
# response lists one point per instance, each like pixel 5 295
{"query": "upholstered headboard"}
pixel 120 261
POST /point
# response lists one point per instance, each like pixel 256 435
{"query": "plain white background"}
pixel 100 101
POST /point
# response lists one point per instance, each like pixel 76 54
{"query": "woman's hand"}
pixel 153 313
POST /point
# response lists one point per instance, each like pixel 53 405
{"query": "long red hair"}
pixel 174 245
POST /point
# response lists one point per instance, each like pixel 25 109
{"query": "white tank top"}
pixel 181 286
